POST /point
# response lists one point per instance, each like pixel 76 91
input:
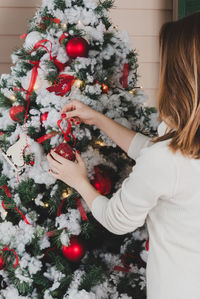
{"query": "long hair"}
pixel 179 89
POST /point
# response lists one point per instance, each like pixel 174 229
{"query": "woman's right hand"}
pixel 79 112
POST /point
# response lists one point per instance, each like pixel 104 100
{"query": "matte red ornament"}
pixel 44 117
pixel 102 181
pixel 63 86
pixel 66 151
pixel 77 47
pixel 1 262
pixel 75 251
pixel 15 111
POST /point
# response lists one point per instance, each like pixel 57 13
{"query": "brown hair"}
pixel 179 90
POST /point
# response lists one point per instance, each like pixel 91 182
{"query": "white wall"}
pixel 141 18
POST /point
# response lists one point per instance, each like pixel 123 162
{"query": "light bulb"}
pixel 13 98
pixel 78 83
pixel 64 26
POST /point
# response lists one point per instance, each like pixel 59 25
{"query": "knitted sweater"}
pixel 163 189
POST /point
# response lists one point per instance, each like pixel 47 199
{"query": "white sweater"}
pixel 164 190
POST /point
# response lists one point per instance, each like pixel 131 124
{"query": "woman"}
pixel 164 186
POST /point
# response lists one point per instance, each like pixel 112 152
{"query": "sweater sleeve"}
pixel 138 142
pixel 151 178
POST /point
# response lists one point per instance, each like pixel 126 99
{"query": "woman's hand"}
pixel 79 112
pixel 73 174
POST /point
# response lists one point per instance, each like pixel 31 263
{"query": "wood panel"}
pixel 147 48
pixel 152 96
pixel 4 68
pixel 144 4
pixel 149 75
pixel 140 22
pixel 20 3
pixel 8 44
pixel 14 21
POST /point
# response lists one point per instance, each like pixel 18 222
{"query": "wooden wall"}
pixel 141 18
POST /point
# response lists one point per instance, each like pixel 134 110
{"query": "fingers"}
pixel 53 163
pixel 55 175
pixel 79 158
pixel 69 107
pixel 57 157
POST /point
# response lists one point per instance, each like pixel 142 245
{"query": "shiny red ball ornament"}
pixel 105 88
pixel 75 251
pixel 44 117
pixel 66 151
pixel 15 111
pixel 102 181
pixel 1 262
pixel 77 47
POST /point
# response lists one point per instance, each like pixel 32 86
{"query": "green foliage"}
pixel 94 276
pixel 104 5
pixel 4 101
pixel 28 190
pixel 59 4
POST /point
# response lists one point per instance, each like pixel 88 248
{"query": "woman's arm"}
pixel 118 133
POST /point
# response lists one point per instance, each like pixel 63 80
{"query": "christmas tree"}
pixel 51 246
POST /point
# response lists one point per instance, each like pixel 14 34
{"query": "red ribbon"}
pixel 81 209
pixel 60 206
pixel 124 79
pixel 23 36
pixel 68 131
pixel 8 193
pixel 16 256
pixel 40 43
pixel 63 36
pixel 126 267
pixel 147 245
pixel 79 206
pixel 46 137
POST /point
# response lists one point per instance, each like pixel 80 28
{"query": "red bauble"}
pixel 66 151
pixel 77 47
pixel 44 117
pixel 1 262
pixel 75 251
pixel 63 86
pixel 102 181
pixel 15 111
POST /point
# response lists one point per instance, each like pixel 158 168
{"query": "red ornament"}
pixel 105 88
pixel 147 245
pixel 15 111
pixel 64 86
pixel 1 262
pixel 102 181
pixel 77 47
pixel 44 117
pixel 66 151
pixel 75 251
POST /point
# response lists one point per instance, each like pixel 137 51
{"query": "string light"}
pixel 78 83
pixel 66 193
pixel 64 26
pixel 37 85
pixel 46 205
pixel 101 143
pixel 33 199
pixel 13 98
pixel 105 87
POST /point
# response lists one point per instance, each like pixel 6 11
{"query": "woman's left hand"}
pixel 71 173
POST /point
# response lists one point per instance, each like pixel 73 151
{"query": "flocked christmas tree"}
pixel 51 246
